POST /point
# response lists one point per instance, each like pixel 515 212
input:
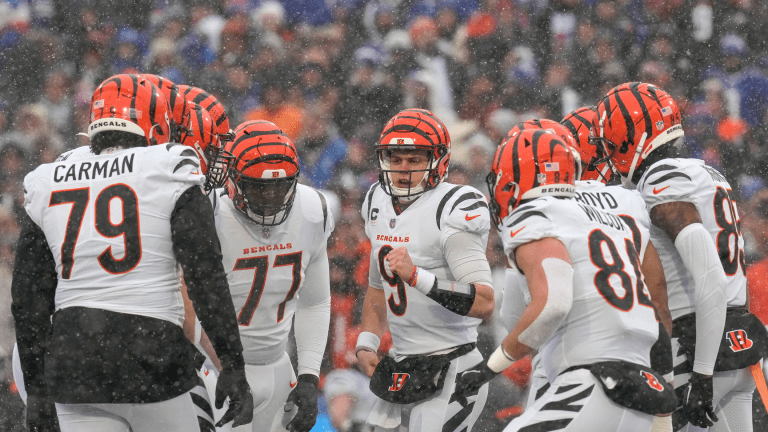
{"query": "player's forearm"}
pixel 197 249
pixel 484 302
pixel 311 330
pixel 653 273
pixel 374 318
pixel 33 289
pixel 700 257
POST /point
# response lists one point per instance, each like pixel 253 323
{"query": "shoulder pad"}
pixel 463 208
pixel 668 180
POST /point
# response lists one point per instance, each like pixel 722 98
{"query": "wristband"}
pixel 499 360
pixel 425 281
pixel 367 341
pixel 413 278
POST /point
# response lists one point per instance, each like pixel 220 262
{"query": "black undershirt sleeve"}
pixel 33 291
pixel 197 248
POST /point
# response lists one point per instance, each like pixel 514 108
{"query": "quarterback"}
pixel 430 282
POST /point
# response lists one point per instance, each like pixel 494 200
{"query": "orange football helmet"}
pixel 633 120
pixel 178 106
pixel 561 131
pixel 264 172
pixel 200 134
pixel 531 164
pixel 213 106
pixel 596 165
pixel 414 129
pixel 128 103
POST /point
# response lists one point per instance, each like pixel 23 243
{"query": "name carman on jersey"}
pixel 95 170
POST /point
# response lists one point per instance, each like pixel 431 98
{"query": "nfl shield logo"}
pixel 660 124
pixel 392 223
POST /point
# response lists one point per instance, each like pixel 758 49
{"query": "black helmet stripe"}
pixel 643 107
pixel 516 160
pixel 132 113
pixel 535 143
pixel 153 106
pixel 630 125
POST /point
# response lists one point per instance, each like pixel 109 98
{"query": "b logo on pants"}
pixel 398 380
pixel 738 340
pixel 652 381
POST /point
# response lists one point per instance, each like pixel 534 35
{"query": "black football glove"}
pixel 468 383
pixel 697 403
pixel 305 397
pixel 41 415
pixel 233 385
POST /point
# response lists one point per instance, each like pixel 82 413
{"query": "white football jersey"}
pixel 689 180
pixel 418 324
pixel 107 221
pixel 618 200
pixel 612 317
pixel 266 268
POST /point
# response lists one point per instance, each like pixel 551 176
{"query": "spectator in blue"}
pixel 746 86
pixel 127 51
pixel 321 148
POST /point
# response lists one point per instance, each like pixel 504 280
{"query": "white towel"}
pixel 385 414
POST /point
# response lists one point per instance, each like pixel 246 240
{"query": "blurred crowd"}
pixel 331 72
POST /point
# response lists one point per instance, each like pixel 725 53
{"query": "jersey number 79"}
pixel 128 226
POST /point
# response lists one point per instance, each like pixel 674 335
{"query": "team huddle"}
pixel 162 268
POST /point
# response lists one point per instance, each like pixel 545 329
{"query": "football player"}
pixel 274 233
pixel 430 282
pixel 696 230
pixel 591 172
pixel 589 315
pixel 102 239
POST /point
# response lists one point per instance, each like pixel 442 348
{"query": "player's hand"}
pixel 697 403
pixel 305 397
pixel 233 385
pixel 400 263
pixel 468 383
pixel 367 360
pixel 41 415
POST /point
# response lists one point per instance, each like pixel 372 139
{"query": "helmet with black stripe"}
pixel 209 102
pixel 264 172
pixel 413 130
pixel 531 164
pixel 178 106
pixel 130 104
pixel 200 134
pixel 595 163
pixel 558 129
pixel 633 120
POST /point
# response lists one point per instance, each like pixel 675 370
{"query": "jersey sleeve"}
pixel 183 168
pixel 466 210
pixel 365 211
pixel 667 181
pixel 32 196
pixel 529 222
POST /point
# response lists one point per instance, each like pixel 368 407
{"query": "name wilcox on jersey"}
pixel 604 200
pixel 394 239
pixel 267 248
pixel 606 219
pixel 93 171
